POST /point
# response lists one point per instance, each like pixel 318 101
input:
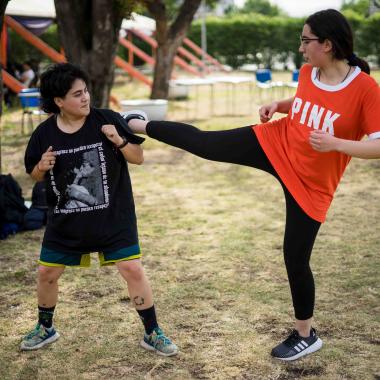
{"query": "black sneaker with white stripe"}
pixel 296 346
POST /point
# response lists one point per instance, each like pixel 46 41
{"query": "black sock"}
pixel 148 318
pixel 45 316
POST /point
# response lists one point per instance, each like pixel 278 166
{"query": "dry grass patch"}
pixel 211 236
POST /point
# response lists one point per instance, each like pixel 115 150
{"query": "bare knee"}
pixel 49 275
pixel 131 270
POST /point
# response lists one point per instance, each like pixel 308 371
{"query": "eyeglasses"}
pixel 305 41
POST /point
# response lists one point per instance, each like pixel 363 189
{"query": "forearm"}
pixel 368 149
pixel 133 153
pixel 283 106
pixel 37 174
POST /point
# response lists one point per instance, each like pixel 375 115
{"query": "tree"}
pixel 358 6
pixel 263 7
pixel 169 38
pixel 3 6
pixel 89 31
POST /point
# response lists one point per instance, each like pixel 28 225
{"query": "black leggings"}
pixel 241 146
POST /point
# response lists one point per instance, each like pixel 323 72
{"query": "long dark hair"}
pixel 56 81
pixel 331 25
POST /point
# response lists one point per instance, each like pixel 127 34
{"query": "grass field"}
pixel 211 236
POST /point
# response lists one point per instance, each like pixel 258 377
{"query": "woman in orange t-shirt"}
pixel 336 104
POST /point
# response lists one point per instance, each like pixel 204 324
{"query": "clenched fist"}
pixel 111 133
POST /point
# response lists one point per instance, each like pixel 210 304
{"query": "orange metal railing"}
pixel 177 60
pixel 199 51
pixel 58 57
pixel 12 82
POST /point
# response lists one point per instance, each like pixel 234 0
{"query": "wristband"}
pixel 123 144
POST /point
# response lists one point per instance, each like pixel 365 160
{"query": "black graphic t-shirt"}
pixel 89 190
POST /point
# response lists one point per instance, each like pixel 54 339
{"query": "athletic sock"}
pixel 148 318
pixel 45 316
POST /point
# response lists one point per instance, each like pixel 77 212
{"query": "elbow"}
pixel 138 160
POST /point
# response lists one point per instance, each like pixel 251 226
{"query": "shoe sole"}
pixel 52 339
pixel 314 347
pixel 150 348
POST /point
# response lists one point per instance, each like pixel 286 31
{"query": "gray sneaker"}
pixel 157 341
pixel 39 337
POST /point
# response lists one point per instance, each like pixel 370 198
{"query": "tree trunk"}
pixel 89 31
pixel 163 69
pixel 3 6
pixel 169 39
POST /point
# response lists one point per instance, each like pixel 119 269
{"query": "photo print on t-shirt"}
pixel 82 186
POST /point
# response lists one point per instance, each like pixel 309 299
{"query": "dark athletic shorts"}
pixel 51 258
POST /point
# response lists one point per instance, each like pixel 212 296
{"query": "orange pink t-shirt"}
pixel 348 110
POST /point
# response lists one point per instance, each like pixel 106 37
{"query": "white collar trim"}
pixel 336 87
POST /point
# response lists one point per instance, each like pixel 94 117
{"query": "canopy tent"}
pixel 31 8
pixel 138 22
pixel 35 15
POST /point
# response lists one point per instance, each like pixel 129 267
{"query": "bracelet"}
pixel 123 144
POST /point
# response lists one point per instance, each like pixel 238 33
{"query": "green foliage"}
pixel 250 38
pixel 370 37
pixel 254 38
pixel 263 7
pixel 125 7
pixel 359 6
pixel 172 7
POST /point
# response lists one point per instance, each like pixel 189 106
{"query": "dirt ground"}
pixel 211 236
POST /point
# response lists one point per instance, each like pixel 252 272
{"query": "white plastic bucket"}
pixel 178 91
pixel 156 109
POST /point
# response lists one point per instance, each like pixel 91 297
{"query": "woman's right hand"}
pixel 266 112
pixel 47 160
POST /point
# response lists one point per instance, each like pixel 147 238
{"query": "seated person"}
pixel 27 75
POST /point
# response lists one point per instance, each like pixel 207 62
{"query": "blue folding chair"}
pixel 294 83
pixel 264 81
pixel 30 103
pixel 295 75
pixel 263 78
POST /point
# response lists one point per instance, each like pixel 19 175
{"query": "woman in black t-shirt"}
pixel 82 153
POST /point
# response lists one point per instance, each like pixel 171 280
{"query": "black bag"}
pixel 39 195
pixel 34 219
pixel 36 216
pixel 12 207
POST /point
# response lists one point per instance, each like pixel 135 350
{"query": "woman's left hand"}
pixel 322 141
pixel 111 133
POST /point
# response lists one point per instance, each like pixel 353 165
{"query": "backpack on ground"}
pixel 36 216
pixel 12 207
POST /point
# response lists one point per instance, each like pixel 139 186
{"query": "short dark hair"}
pixel 56 81
pixel 331 25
